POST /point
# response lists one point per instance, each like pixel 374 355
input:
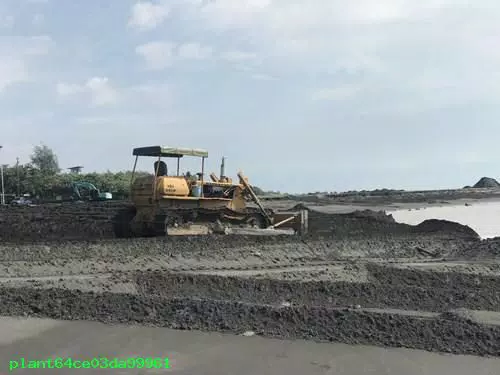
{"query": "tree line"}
pixel 42 175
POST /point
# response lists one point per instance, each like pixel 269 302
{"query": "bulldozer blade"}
pixel 261 232
pixel 192 230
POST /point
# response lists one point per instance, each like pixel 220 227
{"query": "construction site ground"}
pixel 192 352
pixel 358 279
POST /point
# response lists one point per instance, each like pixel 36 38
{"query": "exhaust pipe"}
pixel 222 168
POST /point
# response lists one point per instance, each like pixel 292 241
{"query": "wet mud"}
pixel 84 221
pixel 431 295
pixel 355 278
pixel 447 333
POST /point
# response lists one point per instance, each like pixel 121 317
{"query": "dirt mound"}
pixel 368 223
pixel 298 207
pixel 488 248
pixel 356 224
pixel 58 221
pixel 294 322
pixel 378 215
pixel 487 182
pixel 429 292
pixel 465 285
pixel 94 221
pixel 445 226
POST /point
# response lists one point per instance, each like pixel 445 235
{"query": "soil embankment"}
pixel 446 333
pixel 61 222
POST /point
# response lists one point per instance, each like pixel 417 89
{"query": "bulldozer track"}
pixel 285 266
pixel 291 265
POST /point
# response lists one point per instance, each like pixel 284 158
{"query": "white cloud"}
pixel 229 13
pixel 18 56
pixel 38 45
pixel 358 27
pixel 151 95
pixel 38 19
pixel 12 71
pixel 147 15
pixel 194 51
pixel 6 21
pixel 472 157
pixel 237 56
pixel 67 89
pixel 102 92
pixel 386 45
pixel 99 88
pixel 341 92
pixel 158 55
pixel 263 77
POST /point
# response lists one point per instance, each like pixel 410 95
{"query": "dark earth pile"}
pixel 447 333
pixel 57 221
pixel 95 221
pixel 488 248
pixel 271 250
pixel 370 223
pixel 466 284
pixel 445 226
pixel 487 183
pixel 390 288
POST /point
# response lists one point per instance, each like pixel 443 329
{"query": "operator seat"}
pixel 162 169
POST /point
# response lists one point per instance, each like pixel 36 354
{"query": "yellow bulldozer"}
pixel 166 203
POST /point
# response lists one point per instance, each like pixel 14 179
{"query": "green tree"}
pixel 45 160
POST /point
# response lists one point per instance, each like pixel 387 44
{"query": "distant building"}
pixel 76 170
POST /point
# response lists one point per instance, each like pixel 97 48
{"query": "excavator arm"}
pixel 76 191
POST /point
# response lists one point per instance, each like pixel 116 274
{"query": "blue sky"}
pixel 300 95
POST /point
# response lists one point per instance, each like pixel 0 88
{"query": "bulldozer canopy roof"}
pixel 169 152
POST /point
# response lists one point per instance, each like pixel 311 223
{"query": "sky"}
pixel 313 95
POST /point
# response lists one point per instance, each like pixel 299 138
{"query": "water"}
pixel 483 217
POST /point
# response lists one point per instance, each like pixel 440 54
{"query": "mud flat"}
pixel 433 286
pixel 444 333
pixel 398 302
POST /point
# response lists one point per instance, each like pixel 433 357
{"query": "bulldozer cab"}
pixel 160 152
pixel 167 185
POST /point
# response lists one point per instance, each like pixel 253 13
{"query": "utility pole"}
pixel 3 188
pixel 18 178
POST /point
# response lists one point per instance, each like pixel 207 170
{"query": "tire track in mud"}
pixel 14 269
pixel 446 333
pixel 429 279
pixel 237 247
